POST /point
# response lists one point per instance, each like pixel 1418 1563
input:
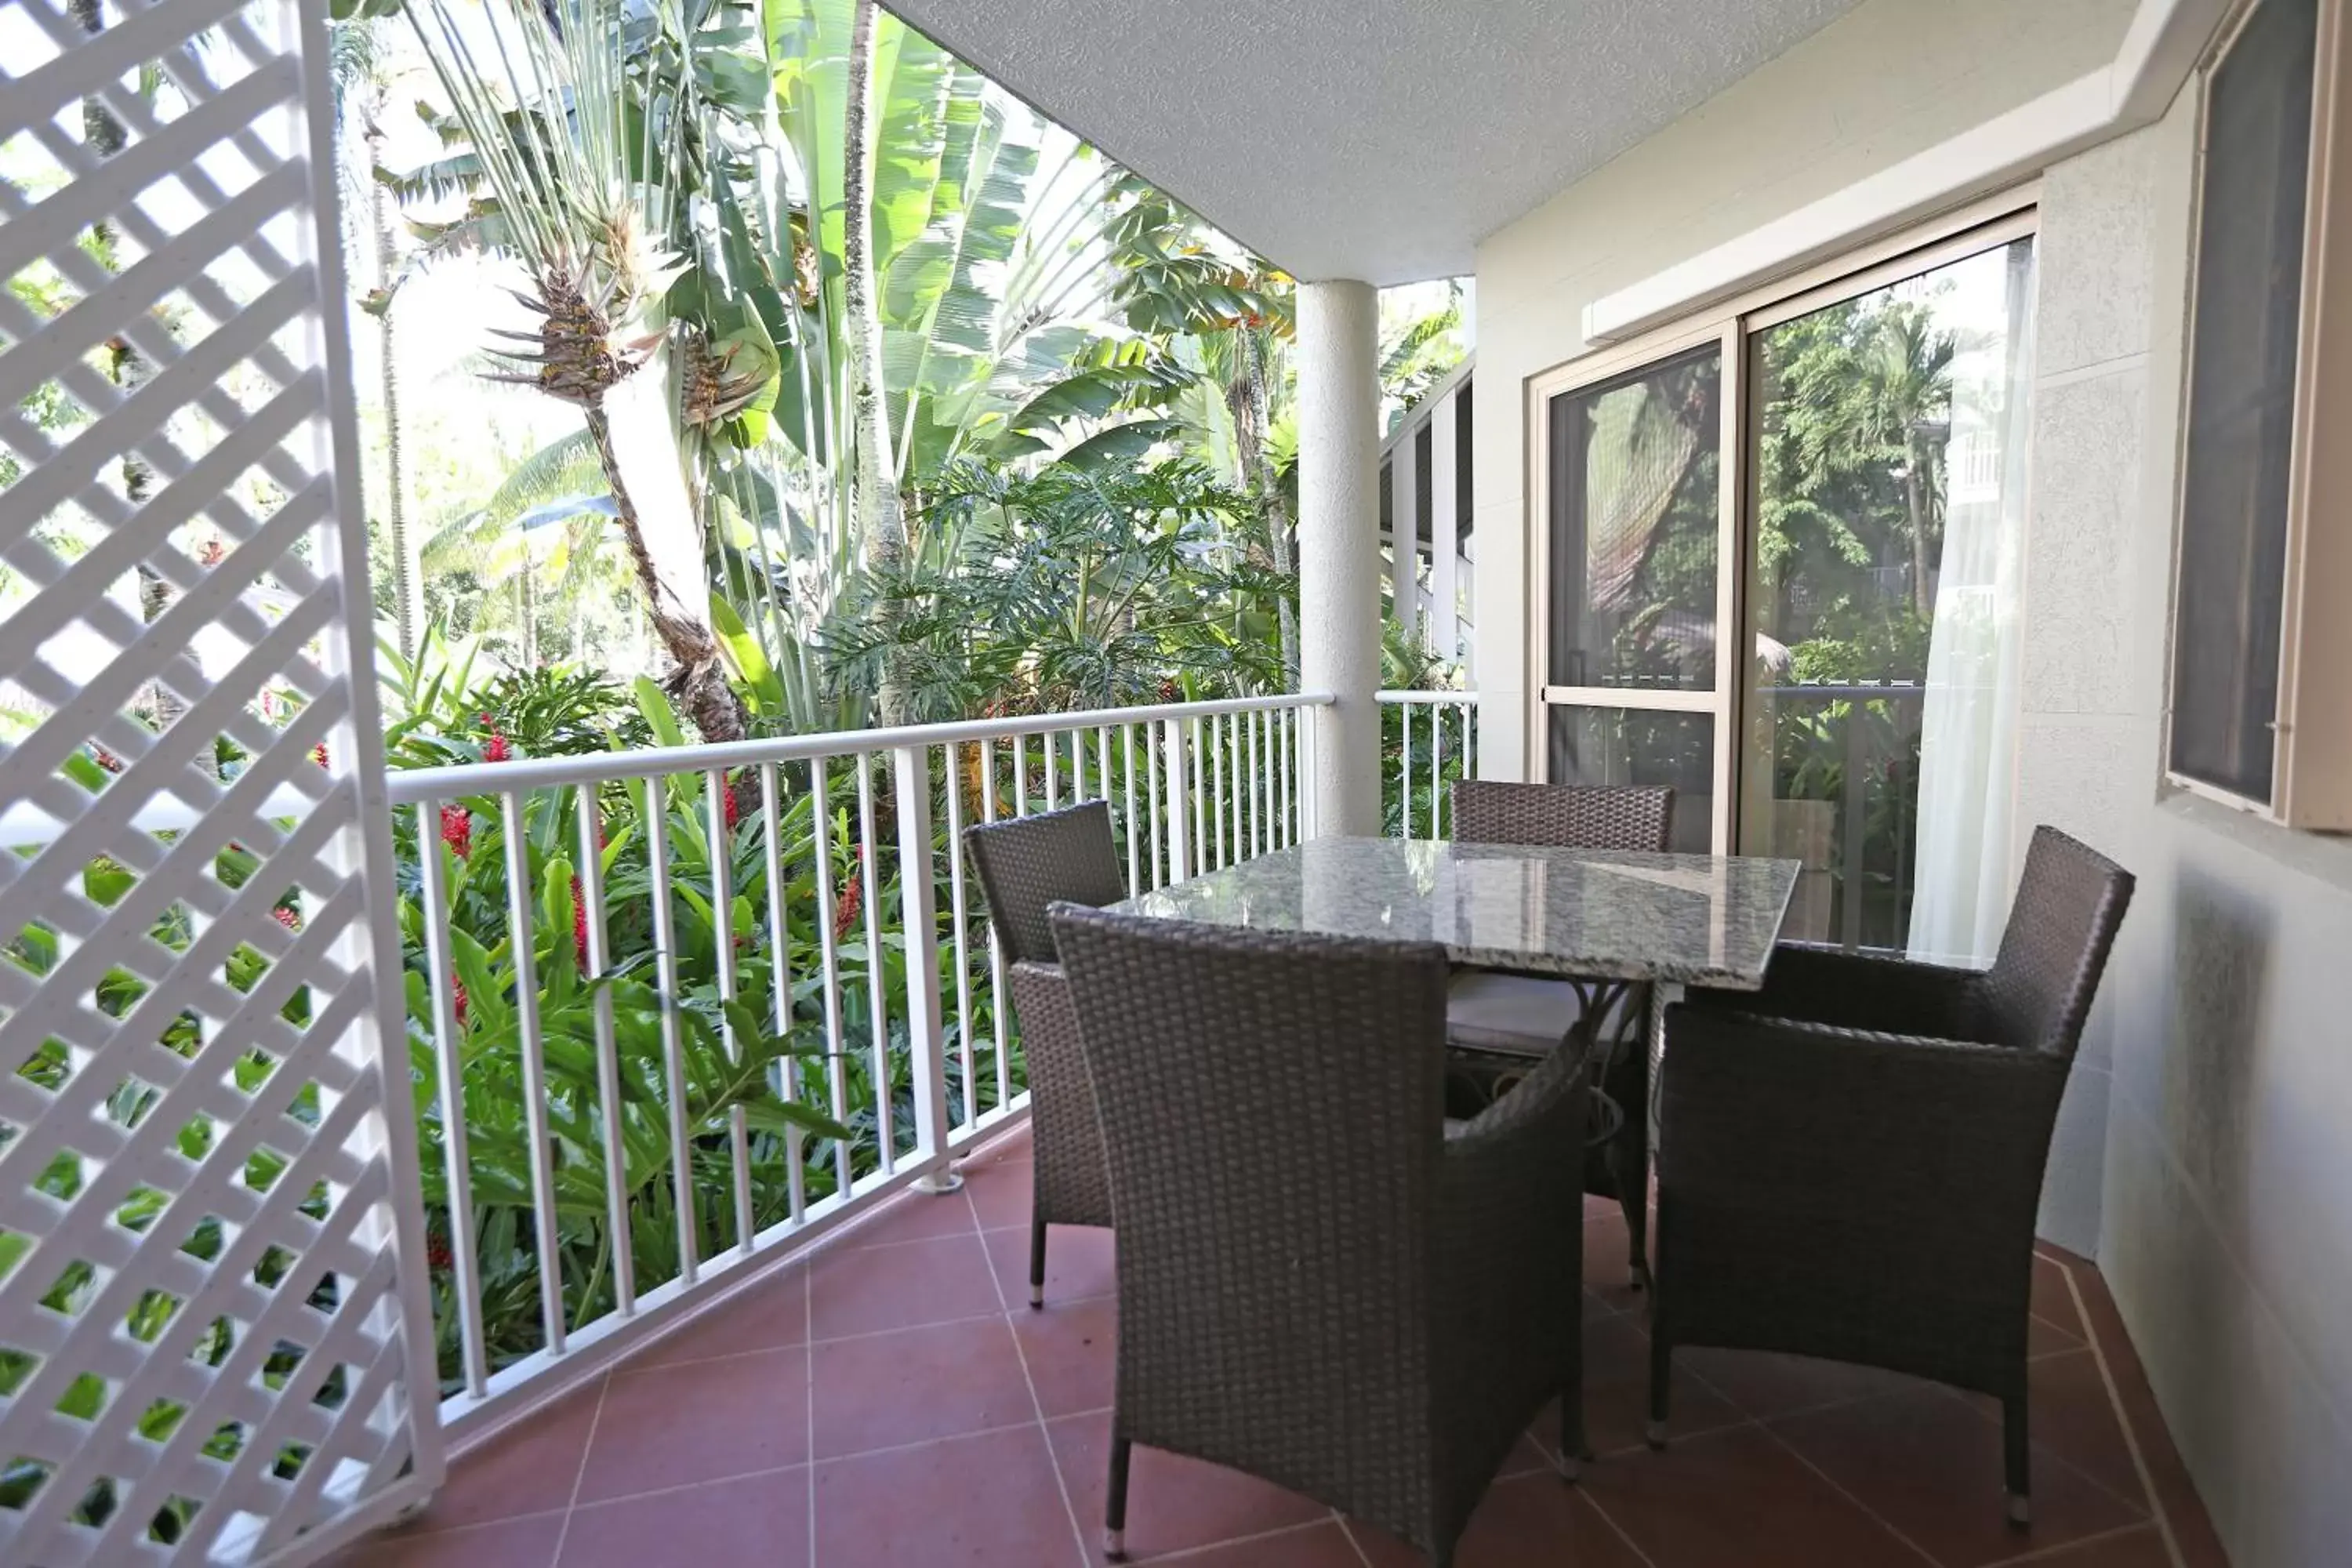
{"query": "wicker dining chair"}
pixel 1850 1161
pixel 1318 1284
pixel 1024 865
pixel 1518 1015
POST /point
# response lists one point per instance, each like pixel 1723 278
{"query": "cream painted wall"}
pixel 2205 1150
pixel 1891 78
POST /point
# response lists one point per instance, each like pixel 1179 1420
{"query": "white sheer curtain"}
pixel 1968 746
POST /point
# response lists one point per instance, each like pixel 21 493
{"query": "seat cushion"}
pixel 1516 1014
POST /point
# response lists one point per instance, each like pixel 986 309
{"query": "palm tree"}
pixel 568 166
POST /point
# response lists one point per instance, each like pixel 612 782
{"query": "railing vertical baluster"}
pixel 1102 764
pixel 1289 776
pixel 1020 775
pixel 1171 738
pixel 657 815
pixel 962 960
pixel 1405 773
pixel 1469 740
pixel 1053 770
pixel 1262 748
pixel 780 979
pixel 448 1058
pixel 534 1069
pixel 828 937
pixel 878 1000
pixel 1151 792
pixel 995 945
pixel 1217 771
pixel 1134 873
pixel 599 958
pixel 1245 783
pixel 718 795
pixel 919 928
pixel 1436 770
pixel 1199 842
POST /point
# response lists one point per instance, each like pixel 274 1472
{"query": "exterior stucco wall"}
pixel 2204 1153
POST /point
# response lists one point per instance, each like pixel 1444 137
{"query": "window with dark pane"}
pixel 2242 388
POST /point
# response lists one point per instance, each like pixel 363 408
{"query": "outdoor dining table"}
pixel 1603 920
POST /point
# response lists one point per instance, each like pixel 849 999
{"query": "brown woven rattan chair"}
pixel 1523 1015
pixel 1850 1161
pixel 1024 865
pixel 1319 1285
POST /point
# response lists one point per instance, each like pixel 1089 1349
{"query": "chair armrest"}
pixel 1856 991
pixel 1878 1130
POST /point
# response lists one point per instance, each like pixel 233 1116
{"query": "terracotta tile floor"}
pixel 891 1400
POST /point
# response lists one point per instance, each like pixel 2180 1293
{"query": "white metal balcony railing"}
pixel 1413 794
pixel 806 836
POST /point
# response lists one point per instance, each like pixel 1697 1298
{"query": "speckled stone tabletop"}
pixel 1690 919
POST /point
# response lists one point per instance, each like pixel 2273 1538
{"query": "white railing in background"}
pixel 1429 443
pixel 1192 787
pixel 1413 794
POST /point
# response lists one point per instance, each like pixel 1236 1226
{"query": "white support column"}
pixel 1444 529
pixel 1338 547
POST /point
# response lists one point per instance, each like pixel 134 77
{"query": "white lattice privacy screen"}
pixel 208 1342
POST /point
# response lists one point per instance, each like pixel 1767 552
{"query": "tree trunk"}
pixel 881 521
pixel 407 569
pixel 1915 504
pixel 1253 428
pixel 657 518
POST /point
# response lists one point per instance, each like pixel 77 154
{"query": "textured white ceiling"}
pixel 1371 139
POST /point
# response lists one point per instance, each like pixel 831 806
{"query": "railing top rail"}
pixel 1463 698
pixel 414 784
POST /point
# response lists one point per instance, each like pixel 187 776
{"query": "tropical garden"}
pixel 728 369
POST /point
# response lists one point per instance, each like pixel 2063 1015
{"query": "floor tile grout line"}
pixel 2144 1508
pixel 1053 1460
pixel 2044 1553
pixel 1866 1510
pixel 1616 1528
pixel 595 1418
pixel 2157 1509
pixel 1183 1552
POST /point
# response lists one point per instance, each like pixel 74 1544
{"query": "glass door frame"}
pixel 1732 325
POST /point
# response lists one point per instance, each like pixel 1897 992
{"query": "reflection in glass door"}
pixel 1635 576
pixel 1885 486
pixel 1839 476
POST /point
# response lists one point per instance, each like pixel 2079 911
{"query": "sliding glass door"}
pixel 1850 495
pixel 1638 562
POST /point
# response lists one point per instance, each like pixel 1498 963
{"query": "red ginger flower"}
pixel 458 829
pixel 496 749
pixel 457 989
pixel 852 902
pixel 734 807
pixel 580 925
pixel 319 754
pixel 438 1256
pixel 286 918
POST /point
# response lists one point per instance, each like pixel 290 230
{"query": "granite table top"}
pixel 1691 919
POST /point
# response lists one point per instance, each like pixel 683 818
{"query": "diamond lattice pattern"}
pixel 203 1349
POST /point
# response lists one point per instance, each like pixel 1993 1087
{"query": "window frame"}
pixel 2311 743
pixel 1988 222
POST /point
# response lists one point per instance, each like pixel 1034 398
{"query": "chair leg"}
pixel 1115 1503
pixel 1573 1448
pixel 1037 1263
pixel 1662 1374
pixel 2016 1456
pixel 1630 1199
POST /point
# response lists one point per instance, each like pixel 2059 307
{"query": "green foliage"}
pixel 1075 587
